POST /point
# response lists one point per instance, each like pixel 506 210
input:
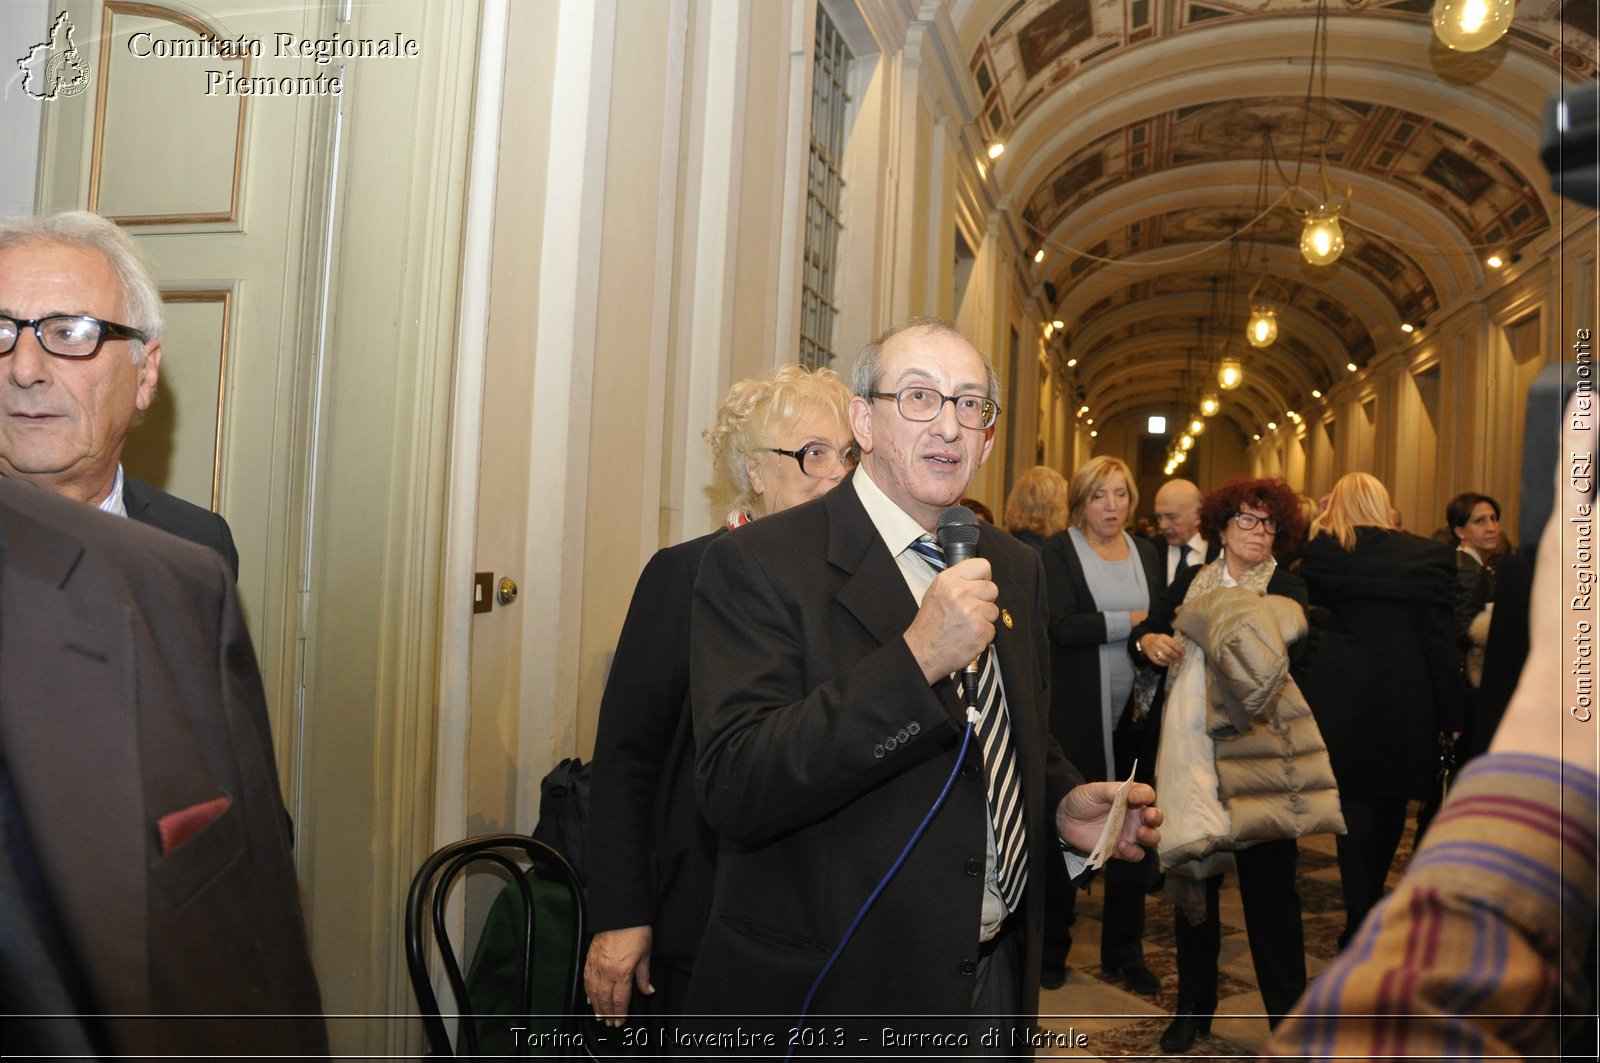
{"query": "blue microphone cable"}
pixel 961 757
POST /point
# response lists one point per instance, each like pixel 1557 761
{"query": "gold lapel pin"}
pixel 1005 618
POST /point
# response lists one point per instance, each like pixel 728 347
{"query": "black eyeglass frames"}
pixel 819 459
pixel 66 335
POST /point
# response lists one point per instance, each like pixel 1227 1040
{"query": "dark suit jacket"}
pixel 650 852
pixel 1077 631
pixel 1505 651
pixel 1211 552
pixel 1385 679
pixel 153 506
pixel 135 731
pixel 1474 589
pixel 821 748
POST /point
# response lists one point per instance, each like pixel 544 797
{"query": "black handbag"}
pixel 1444 774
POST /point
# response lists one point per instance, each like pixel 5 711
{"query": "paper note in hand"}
pixel 1106 847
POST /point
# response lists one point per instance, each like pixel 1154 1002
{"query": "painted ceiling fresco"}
pixel 1034 46
pixel 1474 187
pixel 1431 199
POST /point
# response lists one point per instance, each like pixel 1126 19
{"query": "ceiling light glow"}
pixel 1472 25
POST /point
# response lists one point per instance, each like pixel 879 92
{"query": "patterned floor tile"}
pixel 1113 1023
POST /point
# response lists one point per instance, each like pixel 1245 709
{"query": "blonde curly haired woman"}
pixel 779 440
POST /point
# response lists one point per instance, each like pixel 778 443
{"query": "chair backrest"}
pixel 425 908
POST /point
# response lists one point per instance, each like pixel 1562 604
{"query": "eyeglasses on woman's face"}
pixel 1249 522
pixel 817 459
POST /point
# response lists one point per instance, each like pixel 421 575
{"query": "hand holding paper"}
pixel 1084 820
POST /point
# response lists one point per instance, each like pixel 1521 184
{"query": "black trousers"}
pixel 1366 852
pixel 1122 929
pixel 1272 922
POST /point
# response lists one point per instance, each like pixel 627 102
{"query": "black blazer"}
pixel 153 506
pixel 822 747
pixel 135 733
pixel 1211 552
pixel 1385 678
pixel 1077 631
pixel 650 852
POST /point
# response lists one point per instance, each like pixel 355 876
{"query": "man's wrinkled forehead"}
pixel 933 356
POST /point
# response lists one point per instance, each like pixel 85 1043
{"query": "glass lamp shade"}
pixel 1322 241
pixel 1472 25
pixel 1230 375
pixel 1209 405
pixel 1263 327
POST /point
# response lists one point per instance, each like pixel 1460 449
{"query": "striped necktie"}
pixel 1000 761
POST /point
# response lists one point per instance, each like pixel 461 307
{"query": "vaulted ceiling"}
pixel 1159 153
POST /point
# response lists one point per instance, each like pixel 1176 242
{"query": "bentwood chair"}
pixel 525 976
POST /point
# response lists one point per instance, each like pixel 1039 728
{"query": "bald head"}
pixel 1178 511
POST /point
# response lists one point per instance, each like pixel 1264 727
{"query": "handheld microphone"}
pixel 958 538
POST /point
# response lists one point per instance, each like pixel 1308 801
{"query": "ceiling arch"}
pixel 1180 316
pixel 1134 135
pixel 1392 283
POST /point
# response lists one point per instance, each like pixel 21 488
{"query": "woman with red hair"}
pixel 1241 768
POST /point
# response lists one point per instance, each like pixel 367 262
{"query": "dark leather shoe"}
pixel 1140 979
pixel 1052 977
pixel 1179 1037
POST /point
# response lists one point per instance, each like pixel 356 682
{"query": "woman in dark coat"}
pixel 1088 632
pixel 779 441
pixel 1384 680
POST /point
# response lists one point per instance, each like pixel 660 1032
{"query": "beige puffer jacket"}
pixel 1273 772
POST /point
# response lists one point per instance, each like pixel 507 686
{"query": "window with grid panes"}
pixel 824 193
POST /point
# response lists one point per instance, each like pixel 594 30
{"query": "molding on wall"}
pixel 112 9
pixel 225 297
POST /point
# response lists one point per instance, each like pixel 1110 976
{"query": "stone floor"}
pixel 1091 1018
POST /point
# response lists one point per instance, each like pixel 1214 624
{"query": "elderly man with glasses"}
pixel 146 879
pixel 80 353
pixel 829 724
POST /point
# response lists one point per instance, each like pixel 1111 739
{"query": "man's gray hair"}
pixel 141 298
pixel 864 380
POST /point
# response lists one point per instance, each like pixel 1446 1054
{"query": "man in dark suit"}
pixel 1178 517
pixel 80 352
pixel 827 722
pixel 150 902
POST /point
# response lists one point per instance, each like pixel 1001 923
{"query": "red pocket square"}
pixel 178 827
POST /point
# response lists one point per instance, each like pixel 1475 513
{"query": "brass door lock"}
pixel 507 593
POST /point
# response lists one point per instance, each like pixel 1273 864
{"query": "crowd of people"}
pixel 859 751
pixel 1275 666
